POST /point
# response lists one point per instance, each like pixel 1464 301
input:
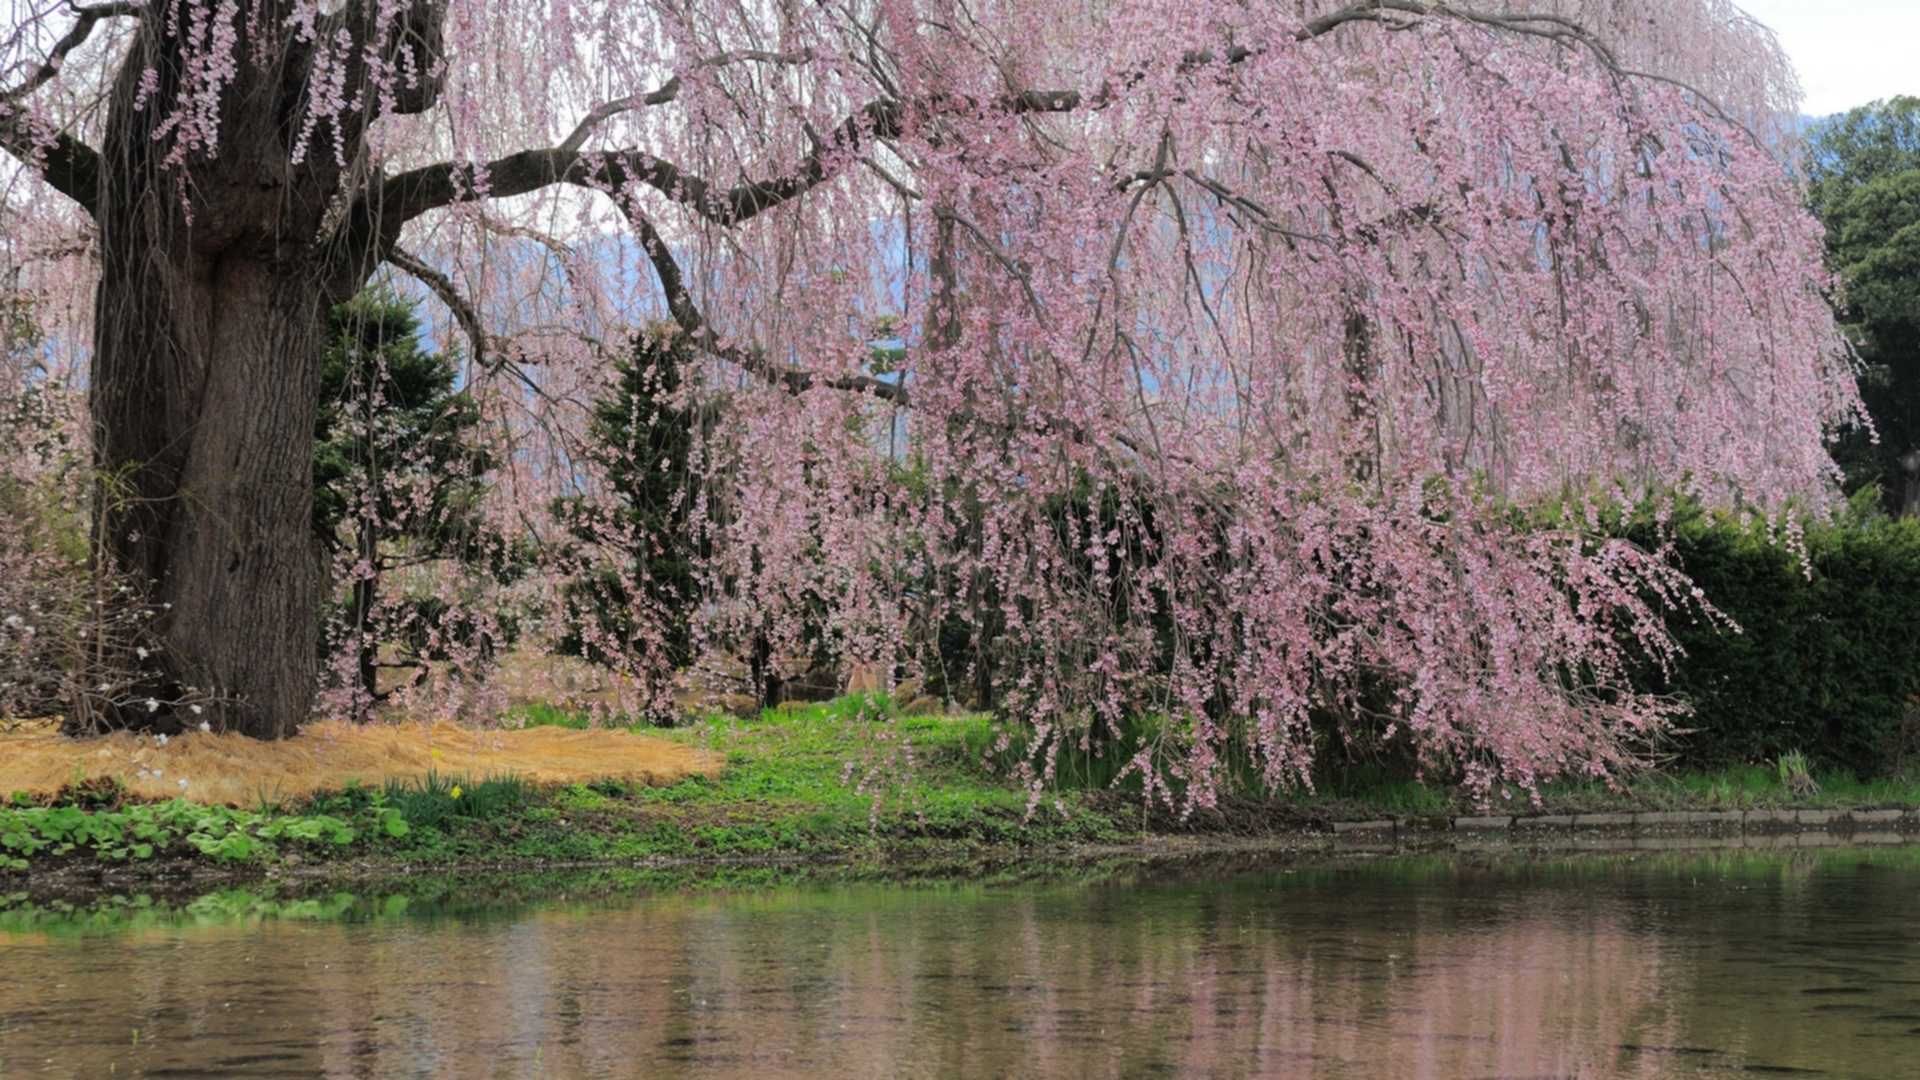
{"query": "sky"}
pixel 1848 52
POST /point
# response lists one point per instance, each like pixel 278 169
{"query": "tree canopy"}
pixel 1322 288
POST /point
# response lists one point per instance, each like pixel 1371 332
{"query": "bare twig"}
pixel 87 17
pixel 670 90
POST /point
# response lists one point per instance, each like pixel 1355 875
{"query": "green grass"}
pixel 853 769
pixel 843 778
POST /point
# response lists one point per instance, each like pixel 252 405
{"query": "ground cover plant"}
pixel 138 832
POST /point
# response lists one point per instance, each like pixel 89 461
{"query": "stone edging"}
pixel 1714 822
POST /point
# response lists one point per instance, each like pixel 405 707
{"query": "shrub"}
pixel 1828 657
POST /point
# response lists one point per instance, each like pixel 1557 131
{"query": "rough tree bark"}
pixel 204 418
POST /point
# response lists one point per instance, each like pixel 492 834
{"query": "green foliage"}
pixel 393 425
pixel 1864 184
pixel 405 402
pixel 1828 657
pixel 141 832
pixel 1849 150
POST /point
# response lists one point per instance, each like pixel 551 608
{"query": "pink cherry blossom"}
pixel 1313 304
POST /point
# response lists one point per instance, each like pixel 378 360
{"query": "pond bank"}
pixel 178 876
pixel 851 788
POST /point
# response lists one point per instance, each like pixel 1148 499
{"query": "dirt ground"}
pixel 232 769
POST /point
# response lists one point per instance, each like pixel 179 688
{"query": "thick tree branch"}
pixel 407 195
pixel 68 165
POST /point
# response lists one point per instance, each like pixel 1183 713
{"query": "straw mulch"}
pixel 232 769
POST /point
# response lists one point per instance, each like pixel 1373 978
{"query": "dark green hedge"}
pixel 1828 657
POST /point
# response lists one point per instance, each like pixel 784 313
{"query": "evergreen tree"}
pixel 397 472
pixel 634 610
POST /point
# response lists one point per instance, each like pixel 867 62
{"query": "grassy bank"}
pixel 849 780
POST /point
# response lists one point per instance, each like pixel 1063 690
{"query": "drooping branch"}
pixel 1384 12
pixel 407 195
pixel 409 40
pixel 686 314
pixel 85 19
pixel 1558 29
pixel 400 198
pixel 670 90
pixel 491 354
pixel 442 286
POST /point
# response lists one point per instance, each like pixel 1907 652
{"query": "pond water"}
pixel 1721 964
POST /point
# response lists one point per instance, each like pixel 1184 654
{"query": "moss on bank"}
pixel 845 781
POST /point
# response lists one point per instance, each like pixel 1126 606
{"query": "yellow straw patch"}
pixel 219 768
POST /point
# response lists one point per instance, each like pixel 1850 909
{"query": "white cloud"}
pixel 1848 52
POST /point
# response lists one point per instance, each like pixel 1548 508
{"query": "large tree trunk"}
pixel 206 379
pixel 219 260
pixel 209 325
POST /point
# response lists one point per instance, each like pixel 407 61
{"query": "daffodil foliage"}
pixel 1199 358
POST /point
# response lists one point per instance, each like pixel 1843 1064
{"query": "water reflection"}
pixel 1419 967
